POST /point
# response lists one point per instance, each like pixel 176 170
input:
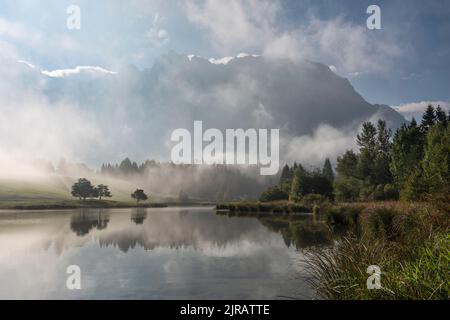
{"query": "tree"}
pixel 298 183
pixel 327 170
pixel 384 135
pixel 406 154
pixel 436 162
pixel 83 189
pixel 128 167
pixel 273 194
pixel 346 164
pixel 441 117
pixel 285 174
pixel 381 173
pixel 103 191
pixel 367 139
pixel 139 195
pixel 428 119
pixel 305 182
pixel 347 188
pixel 367 142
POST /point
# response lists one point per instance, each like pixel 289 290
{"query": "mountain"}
pixel 137 110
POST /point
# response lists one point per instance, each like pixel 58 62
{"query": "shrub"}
pixel 314 199
pixel 390 192
pixel 380 223
pixel 344 216
pixel 273 194
pixel 410 244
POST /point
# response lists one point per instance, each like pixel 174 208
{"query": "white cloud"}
pixel 157 35
pixel 325 142
pixel 223 60
pixel 60 73
pixel 18 32
pixel 32 126
pixel 237 25
pixel 416 109
pixel 233 23
pixel 30 65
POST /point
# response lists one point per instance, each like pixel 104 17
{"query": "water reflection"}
pixel 301 234
pixel 165 253
pixel 301 230
pixel 139 215
pixel 84 221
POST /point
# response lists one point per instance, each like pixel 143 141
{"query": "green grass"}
pixel 54 193
pixel 409 242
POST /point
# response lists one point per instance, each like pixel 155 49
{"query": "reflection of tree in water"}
pixel 83 222
pixel 302 232
pixel 184 229
pixel 139 215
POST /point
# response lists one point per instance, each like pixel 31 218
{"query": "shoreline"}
pixel 25 205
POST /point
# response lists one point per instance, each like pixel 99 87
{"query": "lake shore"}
pixel 406 241
pixel 74 204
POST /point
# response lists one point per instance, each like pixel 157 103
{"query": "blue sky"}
pixel 405 62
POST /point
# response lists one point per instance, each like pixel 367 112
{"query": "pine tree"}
pixel 381 173
pixel 436 162
pixel 406 153
pixel 327 170
pixel 285 174
pixel 346 164
pixel 428 119
pixel 297 182
pixel 367 141
pixel 383 137
pixel 441 116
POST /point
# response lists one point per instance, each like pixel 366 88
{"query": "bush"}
pixel 390 192
pixel 314 199
pixel 344 216
pixel 347 189
pixel 380 223
pixel 410 244
pixel 273 194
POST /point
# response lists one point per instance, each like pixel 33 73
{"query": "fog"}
pixel 95 116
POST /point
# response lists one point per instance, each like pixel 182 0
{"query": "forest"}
pixel 412 165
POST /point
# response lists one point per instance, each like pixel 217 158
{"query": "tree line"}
pixel 412 164
pixel 83 189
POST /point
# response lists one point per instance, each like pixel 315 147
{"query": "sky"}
pixel 407 61
pixel 405 64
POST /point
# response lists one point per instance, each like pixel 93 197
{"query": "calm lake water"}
pixel 169 253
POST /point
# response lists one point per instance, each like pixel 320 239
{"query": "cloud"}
pixel 337 42
pixel 239 25
pixel 325 142
pixel 28 64
pixel 223 60
pixel 16 31
pixel 61 73
pixel 32 126
pixel 20 35
pixel 233 23
pixel 416 109
pixel 157 35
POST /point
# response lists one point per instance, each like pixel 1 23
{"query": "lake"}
pixel 157 253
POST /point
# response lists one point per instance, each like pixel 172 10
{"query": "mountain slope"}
pixel 136 110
